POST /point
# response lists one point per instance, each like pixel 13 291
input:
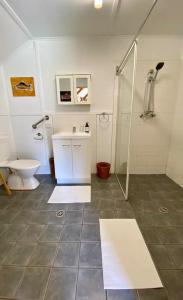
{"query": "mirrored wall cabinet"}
pixel 73 89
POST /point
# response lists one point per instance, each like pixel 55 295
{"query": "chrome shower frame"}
pixel 120 67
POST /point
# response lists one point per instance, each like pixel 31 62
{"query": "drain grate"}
pixel 59 213
pixel 163 210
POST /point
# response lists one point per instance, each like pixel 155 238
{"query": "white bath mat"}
pixel 71 194
pixel 127 263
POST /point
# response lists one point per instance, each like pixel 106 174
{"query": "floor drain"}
pixel 59 213
pixel 163 210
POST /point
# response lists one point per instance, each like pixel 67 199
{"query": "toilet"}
pixel 22 170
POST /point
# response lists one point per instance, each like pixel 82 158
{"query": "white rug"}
pixel 127 263
pixel 71 194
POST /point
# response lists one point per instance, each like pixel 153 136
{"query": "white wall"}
pixel 5 122
pixel 151 138
pixel 11 36
pixel 98 56
pixel 175 162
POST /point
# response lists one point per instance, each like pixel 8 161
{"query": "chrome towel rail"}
pixel 45 118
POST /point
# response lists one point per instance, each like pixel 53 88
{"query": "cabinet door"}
pixel 81 158
pixel 65 89
pixel 63 158
pixel 82 89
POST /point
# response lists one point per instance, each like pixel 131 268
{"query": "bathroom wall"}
pixel 175 162
pixel 11 36
pixel 24 111
pixel 98 56
pixel 44 59
pixel 151 138
pixel 5 122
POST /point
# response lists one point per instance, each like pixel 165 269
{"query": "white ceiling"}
pixel 50 18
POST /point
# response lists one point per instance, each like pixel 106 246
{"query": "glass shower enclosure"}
pixel 124 120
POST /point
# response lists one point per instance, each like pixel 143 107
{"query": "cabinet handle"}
pixel 77 145
pixel 65 145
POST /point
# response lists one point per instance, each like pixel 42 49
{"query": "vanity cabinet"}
pixel 73 89
pixel 72 159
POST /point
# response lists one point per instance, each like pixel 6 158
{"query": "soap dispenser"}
pixel 87 128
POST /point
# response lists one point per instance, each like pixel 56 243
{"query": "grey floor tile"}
pixel 125 214
pixel 52 233
pixel 14 231
pixel 53 219
pixel 144 219
pixel 161 257
pixel 90 216
pixel 171 235
pixel 176 254
pixel 25 217
pixel 33 284
pixel 62 284
pixel 153 294
pixel 4 202
pixel 68 255
pixel 5 248
pixel 3 228
pixel 32 233
pixel 90 285
pixel 7 216
pixel 43 254
pixel 45 206
pixel 10 278
pixel 71 233
pixel 90 255
pixel 107 214
pixel 73 217
pixel 90 233
pixel 122 204
pixel 32 203
pixel 75 206
pixel 107 204
pixel 172 280
pixel 151 234
pixel 122 295
pixel 20 254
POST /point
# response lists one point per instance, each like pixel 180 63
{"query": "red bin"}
pixel 103 170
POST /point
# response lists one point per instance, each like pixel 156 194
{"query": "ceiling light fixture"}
pixel 98 4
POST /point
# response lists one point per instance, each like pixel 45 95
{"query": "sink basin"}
pixel 71 135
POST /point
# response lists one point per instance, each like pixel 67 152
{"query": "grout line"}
pixel 49 276
pixel 78 272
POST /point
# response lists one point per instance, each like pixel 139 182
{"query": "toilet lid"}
pixel 21 164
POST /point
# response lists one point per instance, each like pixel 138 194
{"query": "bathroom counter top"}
pixel 71 135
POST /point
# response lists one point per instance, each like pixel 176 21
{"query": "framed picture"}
pixel 22 86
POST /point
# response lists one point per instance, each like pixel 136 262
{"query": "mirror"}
pixel 65 89
pixel 82 89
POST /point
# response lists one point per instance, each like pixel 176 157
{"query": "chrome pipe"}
pixel 122 64
pixel 45 118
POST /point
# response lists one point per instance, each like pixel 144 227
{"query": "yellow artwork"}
pixel 22 86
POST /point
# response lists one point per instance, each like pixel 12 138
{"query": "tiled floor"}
pixel 43 256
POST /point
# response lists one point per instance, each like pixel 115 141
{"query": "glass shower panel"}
pixel 124 115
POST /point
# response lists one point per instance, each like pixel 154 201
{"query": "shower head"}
pixel 159 66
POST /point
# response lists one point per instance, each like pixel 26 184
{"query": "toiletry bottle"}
pixel 87 128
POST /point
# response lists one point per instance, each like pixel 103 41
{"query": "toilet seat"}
pixel 23 164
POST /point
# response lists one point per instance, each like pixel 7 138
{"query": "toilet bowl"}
pixel 22 176
pixel 22 170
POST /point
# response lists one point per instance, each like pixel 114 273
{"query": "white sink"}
pixel 71 135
